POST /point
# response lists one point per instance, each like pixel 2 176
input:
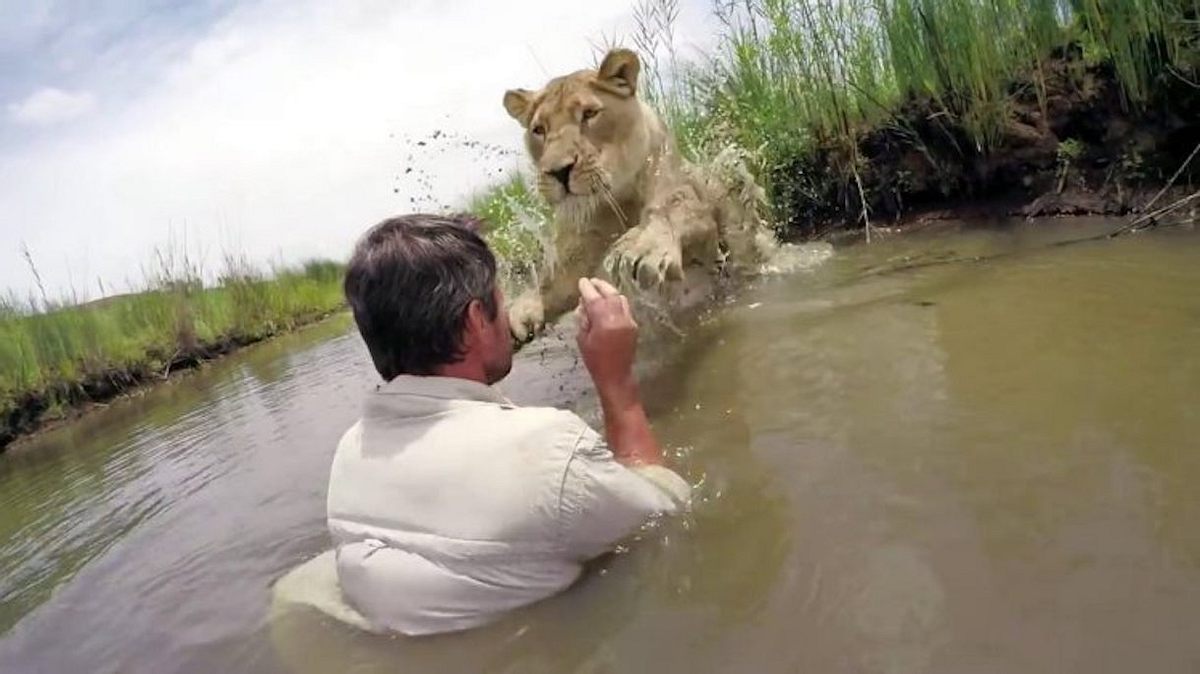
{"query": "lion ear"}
pixel 519 103
pixel 618 72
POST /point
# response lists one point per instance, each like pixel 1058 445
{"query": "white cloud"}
pixel 287 129
pixel 49 105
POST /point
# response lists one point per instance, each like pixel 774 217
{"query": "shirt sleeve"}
pixel 603 501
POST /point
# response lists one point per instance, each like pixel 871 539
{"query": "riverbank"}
pixel 1078 148
pixel 874 112
pixel 59 360
pixel 101 390
pixel 867 111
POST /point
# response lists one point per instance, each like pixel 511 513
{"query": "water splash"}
pixel 789 258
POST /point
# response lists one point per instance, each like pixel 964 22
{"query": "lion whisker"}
pixel 608 196
pixel 602 187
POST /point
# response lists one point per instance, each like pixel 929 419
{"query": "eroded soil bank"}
pixel 1071 144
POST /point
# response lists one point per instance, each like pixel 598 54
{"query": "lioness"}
pixel 608 165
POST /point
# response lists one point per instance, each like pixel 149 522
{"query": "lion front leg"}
pixel 646 256
pixel 740 203
pixel 534 308
pixel 678 229
pixel 526 317
pixel 577 253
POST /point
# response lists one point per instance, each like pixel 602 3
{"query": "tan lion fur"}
pixel 623 198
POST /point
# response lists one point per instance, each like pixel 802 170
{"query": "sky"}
pixel 275 129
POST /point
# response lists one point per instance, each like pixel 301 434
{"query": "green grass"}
pixel 518 228
pixel 792 78
pixel 795 76
pixel 50 349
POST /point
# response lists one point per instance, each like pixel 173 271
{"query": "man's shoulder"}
pixel 353 433
pixel 351 439
pixel 474 421
pixel 549 415
pixel 550 423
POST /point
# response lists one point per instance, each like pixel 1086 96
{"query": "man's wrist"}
pixel 625 424
pixel 619 393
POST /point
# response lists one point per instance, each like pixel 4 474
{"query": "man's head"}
pixel 424 295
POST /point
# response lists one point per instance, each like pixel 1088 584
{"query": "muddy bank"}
pixel 1071 144
pixel 39 410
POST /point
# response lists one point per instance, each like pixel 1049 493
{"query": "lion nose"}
pixel 563 175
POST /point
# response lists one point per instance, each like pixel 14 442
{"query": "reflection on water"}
pixel 966 466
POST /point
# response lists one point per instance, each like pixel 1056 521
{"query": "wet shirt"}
pixel 449 505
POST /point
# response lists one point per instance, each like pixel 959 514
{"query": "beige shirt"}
pixel 450 505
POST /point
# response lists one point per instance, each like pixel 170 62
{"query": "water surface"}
pixel 903 463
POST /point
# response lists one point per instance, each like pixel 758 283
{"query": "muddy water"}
pixel 974 466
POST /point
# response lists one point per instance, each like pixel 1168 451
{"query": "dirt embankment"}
pixel 1071 145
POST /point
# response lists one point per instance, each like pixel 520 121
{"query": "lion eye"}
pixel 539 130
pixel 590 113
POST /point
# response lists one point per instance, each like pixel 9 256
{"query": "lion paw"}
pixel 526 317
pixel 645 258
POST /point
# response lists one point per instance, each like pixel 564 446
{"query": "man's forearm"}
pixel 625 424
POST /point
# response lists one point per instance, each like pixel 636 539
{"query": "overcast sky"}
pixel 278 129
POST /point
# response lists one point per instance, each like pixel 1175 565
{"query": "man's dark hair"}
pixel 409 283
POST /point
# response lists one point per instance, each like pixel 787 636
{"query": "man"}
pixel 448 504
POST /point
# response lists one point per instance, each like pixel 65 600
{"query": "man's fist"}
pixel 607 332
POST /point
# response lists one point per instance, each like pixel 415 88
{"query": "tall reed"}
pixel 791 76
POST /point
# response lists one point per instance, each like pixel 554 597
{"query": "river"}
pixel 965 449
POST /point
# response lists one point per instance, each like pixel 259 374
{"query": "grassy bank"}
pixel 867 107
pixel 859 109
pixel 58 354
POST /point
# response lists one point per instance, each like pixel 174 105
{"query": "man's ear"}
pixel 519 104
pixel 476 323
pixel 618 72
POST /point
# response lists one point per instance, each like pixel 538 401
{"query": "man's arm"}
pixel 613 485
pixel 608 341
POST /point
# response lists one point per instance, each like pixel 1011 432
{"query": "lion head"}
pixel 588 133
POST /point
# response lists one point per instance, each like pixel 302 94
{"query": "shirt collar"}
pixel 446 388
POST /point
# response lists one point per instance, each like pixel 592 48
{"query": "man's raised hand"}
pixel 607 335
